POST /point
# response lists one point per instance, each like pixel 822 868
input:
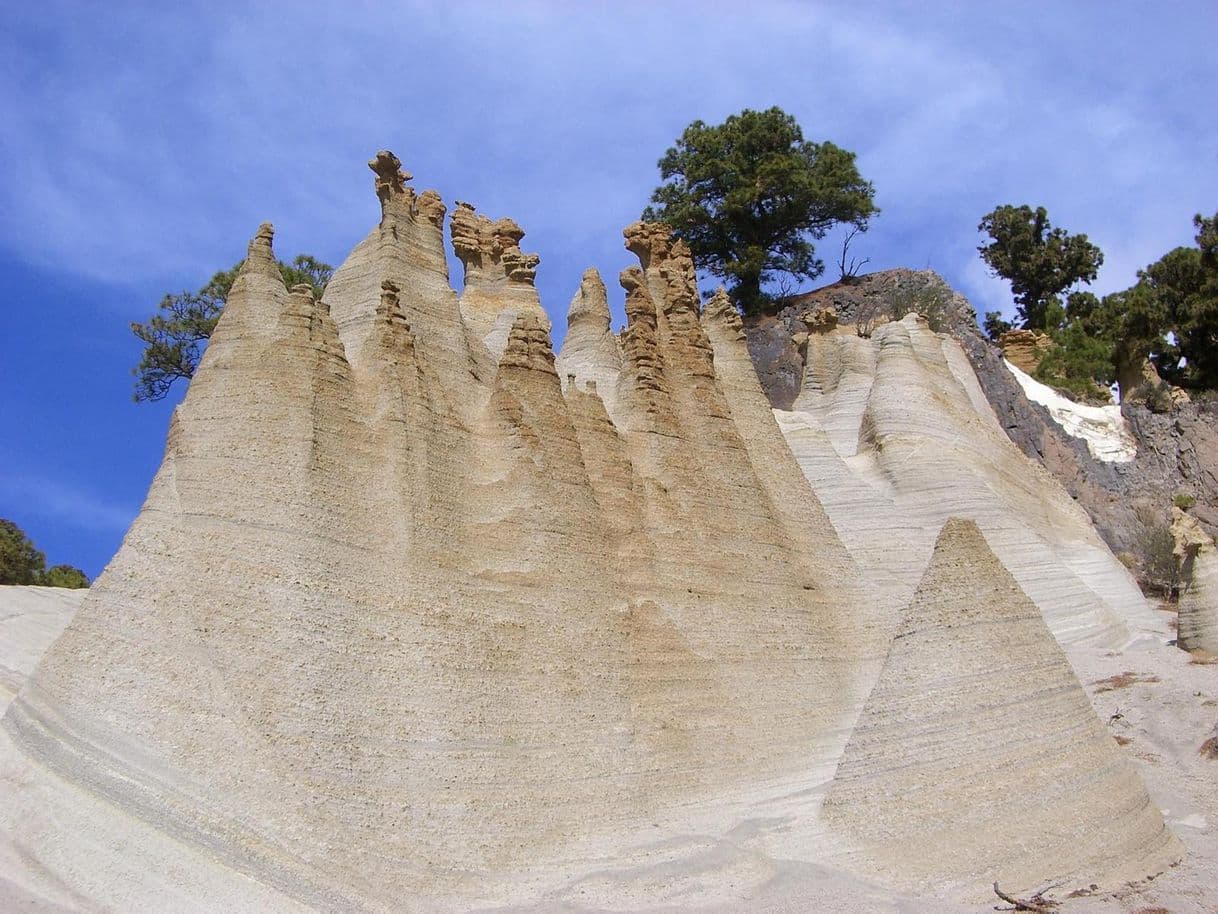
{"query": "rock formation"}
pixel 31 620
pixel 590 352
pixel 1197 620
pixel 896 436
pixel 415 610
pixel 1025 348
pixel 390 591
pixel 978 755
pixel 498 276
pixel 1177 446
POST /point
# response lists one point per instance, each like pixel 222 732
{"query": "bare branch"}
pixel 850 268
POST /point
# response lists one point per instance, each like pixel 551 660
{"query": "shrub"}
pixel 1156 396
pixel 1078 363
pixel 20 562
pixel 64 576
pixel 1183 501
pixel 931 300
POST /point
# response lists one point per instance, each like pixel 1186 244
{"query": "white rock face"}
pixel 591 354
pixel 1102 427
pixel 397 622
pixel 31 618
pixel 895 435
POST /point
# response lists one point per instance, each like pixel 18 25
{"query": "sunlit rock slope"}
pixel 409 620
pixel 895 435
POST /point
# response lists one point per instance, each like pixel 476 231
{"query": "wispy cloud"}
pixel 64 503
pixel 144 147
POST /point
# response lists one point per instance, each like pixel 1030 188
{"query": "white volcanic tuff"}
pixel 896 435
pixel 399 620
pixel 369 636
pixel 31 618
pixel 977 755
pixel 1103 428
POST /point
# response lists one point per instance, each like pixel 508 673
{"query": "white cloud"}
pixel 64 503
pixel 142 148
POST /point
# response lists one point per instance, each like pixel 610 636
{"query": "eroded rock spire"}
pixel 490 251
pixel 590 352
pixel 498 276
pixel 390 177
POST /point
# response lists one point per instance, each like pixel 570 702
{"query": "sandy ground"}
pixel 1159 703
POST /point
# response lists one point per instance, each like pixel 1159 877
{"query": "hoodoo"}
pixel 417 614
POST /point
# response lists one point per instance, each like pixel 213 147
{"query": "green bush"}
pixel 21 563
pixel 64 576
pixel 1157 397
pixel 932 301
pixel 1160 566
pixel 1184 501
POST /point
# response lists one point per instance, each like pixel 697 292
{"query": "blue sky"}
pixel 144 142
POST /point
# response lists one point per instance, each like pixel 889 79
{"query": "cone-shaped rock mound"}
pixel 978 756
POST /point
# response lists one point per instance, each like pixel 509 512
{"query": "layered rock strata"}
pixel 978 756
pixel 1177 445
pixel 400 616
pixel 591 354
pixel 416 612
pixel 896 436
pixel 498 283
pixel 1197 609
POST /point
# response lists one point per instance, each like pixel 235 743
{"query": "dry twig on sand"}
pixel 1036 903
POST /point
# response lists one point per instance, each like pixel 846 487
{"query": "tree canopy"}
pixel 174 337
pixel 749 195
pixel 1169 317
pixel 1040 261
pixel 22 563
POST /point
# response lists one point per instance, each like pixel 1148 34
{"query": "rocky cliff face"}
pixel 416 609
pixel 1177 449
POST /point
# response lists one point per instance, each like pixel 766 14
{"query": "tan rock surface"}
pixel 1197 619
pixel 1025 348
pixel 590 351
pixel 404 621
pixel 397 621
pixel 498 276
pixel 977 756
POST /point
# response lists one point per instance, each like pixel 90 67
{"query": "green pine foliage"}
pixel 1169 316
pixel 750 195
pixel 1078 363
pixel 996 325
pixel 22 563
pixel 175 336
pixel 64 576
pixel 1040 261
